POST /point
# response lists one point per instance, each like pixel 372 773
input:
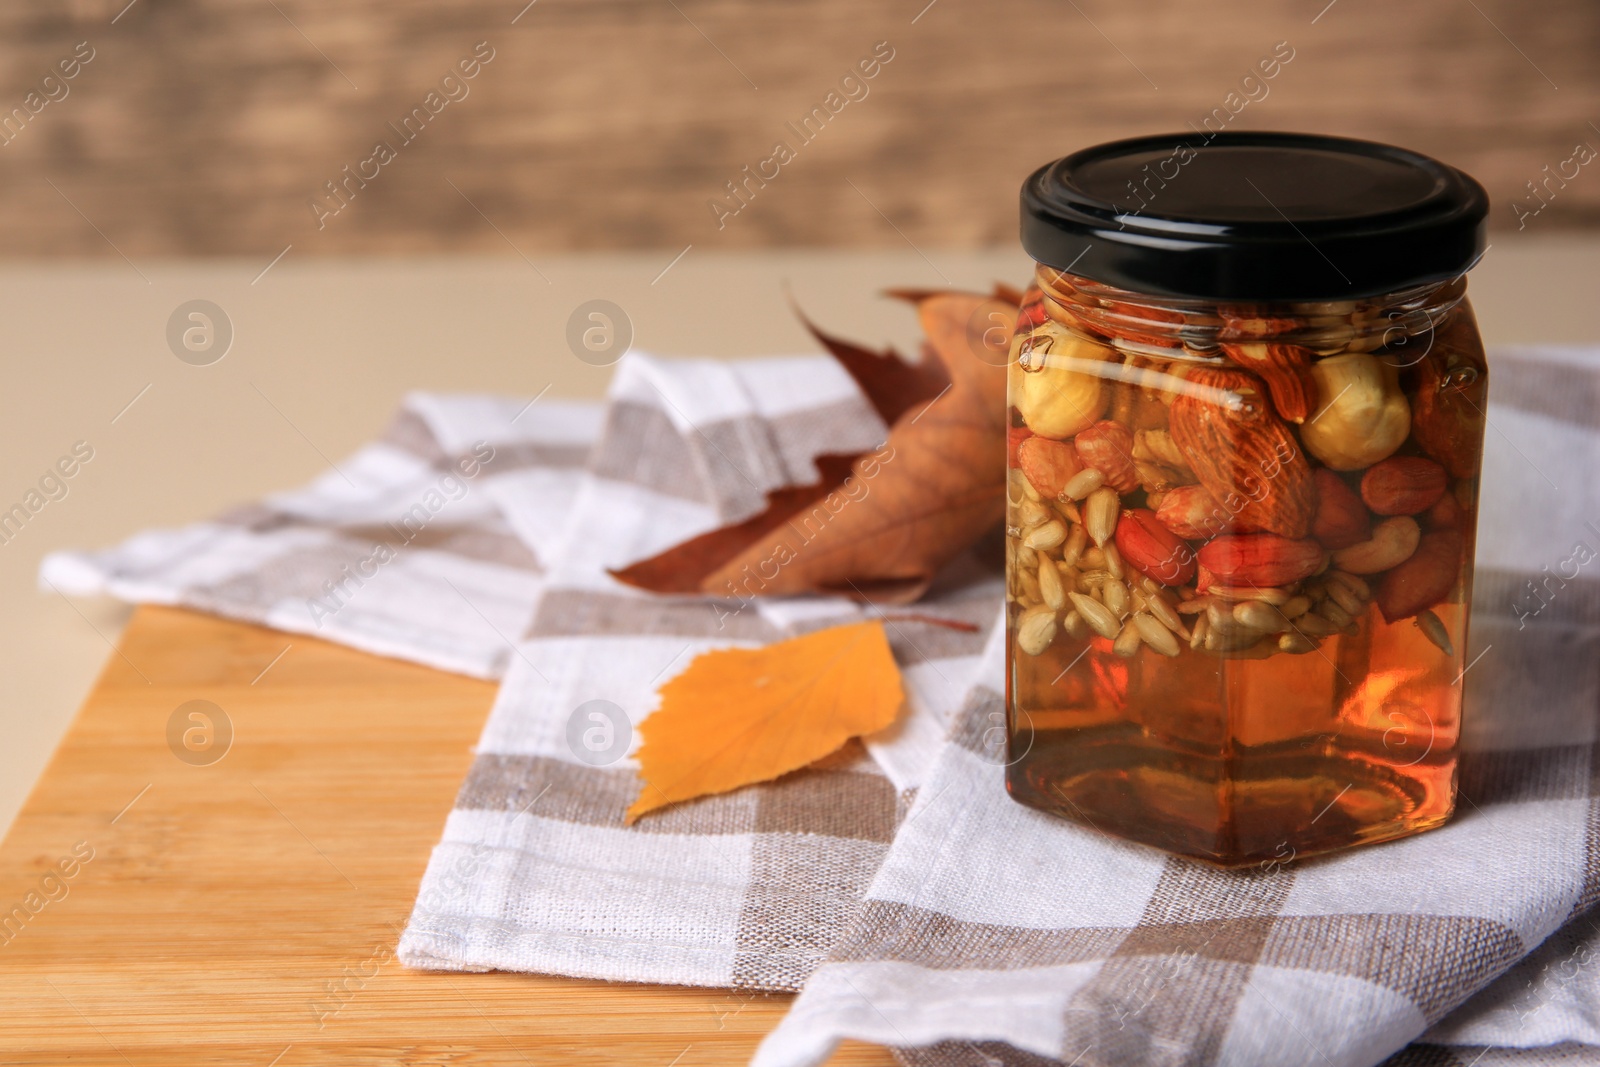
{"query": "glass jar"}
pixel 1247 416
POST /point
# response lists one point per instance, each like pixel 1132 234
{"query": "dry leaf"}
pixel 892 385
pixel 897 515
pixel 746 715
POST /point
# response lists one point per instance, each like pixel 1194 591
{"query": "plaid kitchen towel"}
pixel 400 550
pixel 996 934
pixel 536 870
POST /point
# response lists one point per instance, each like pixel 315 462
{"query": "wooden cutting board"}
pixel 244 910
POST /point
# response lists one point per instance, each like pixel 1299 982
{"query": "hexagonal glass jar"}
pixel 1239 544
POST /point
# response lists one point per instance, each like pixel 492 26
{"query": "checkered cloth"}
pixel 990 933
pixel 536 870
pixel 401 550
pixel 996 934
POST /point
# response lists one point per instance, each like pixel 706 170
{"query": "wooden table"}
pixel 245 911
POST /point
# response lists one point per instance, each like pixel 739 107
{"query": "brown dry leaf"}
pixel 746 715
pixel 899 514
pixel 892 385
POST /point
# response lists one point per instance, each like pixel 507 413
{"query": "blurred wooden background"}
pixel 204 127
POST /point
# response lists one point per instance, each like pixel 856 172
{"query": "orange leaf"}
pixel 745 715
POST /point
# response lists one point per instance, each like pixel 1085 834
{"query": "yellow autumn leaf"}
pixel 746 715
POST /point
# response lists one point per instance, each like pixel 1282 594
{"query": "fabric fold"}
pixel 746 889
pixel 896 883
pixel 400 550
pixel 996 934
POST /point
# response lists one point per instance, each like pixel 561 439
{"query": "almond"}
pixel 1261 559
pixel 1049 465
pixel 1423 579
pixel 1108 447
pixel 1392 542
pixel 1341 519
pixel 1240 450
pixel 1286 370
pixel 1403 485
pixel 1149 547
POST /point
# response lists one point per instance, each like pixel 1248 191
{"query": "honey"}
pixel 1239 553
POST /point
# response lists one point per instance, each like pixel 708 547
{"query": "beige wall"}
pixel 206 126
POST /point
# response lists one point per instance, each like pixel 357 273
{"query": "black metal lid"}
pixel 1254 216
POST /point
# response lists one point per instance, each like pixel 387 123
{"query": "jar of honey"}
pixel 1247 400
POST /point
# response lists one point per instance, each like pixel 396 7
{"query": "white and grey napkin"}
pixel 918 905
pixel 994 934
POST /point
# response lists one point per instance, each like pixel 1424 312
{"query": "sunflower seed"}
pixel 1114 561
pixel 1296 643
pixel 1115 596
pixel 1050 587
pixel 1315 625
pixel 1100 514
pixel 1043 538
pixel 1083 483
pixel 1073 624
pixel 1336 615
pixel 1031 513
pixel 1074 547
pixel 1356 585
pixel 1155 635
pixel 1345 599
pixel 1036 630
pixel 1015 494
pixel 1201 626
pixel 1096 614
pixel 1296 607
pixel 1128 641
pixel 1433 629
pixel 1259 616
pixel 1220 641
pixel 1221 616
pixel 1159 606
pixel 1267 594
